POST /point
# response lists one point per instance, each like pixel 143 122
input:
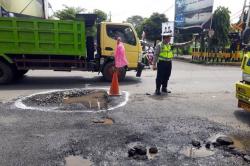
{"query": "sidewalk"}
pixel 188 58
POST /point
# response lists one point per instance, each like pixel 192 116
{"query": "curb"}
pixel 183 59
pixel 207 63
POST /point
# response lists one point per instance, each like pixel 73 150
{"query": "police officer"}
pixel 163 62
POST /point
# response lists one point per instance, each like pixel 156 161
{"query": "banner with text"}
pixel 192 12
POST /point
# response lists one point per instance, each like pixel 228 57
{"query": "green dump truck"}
pixel 39 44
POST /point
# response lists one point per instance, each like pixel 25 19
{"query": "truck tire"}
pixel 6 73
pixel 20 73
pixel 108 72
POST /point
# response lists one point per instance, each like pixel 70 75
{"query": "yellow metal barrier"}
pixel 219 56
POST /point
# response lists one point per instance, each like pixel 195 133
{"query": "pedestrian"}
pixel 163 62
pixel 120 56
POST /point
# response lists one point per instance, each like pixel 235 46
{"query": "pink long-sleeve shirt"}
pixel 120 57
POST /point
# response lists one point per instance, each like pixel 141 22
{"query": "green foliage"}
pixel 137 22
pixel 101 16
pixel 68 13
pixel 153 26
pixel 187 50
pixel 221 27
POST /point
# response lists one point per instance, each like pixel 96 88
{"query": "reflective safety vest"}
pixel 166 52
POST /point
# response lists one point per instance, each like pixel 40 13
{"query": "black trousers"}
pixel 164 69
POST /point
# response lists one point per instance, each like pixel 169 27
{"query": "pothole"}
pixel 235 145
pixel 241 142
pixel 77 161
pixel 73 100
pixel 106 121
pixel 237 142
pixel 152 154
pixel 138 151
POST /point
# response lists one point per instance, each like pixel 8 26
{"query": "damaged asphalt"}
pixel 170 123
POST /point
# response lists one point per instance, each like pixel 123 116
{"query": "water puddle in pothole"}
pixel 107 121
pixel 196 153
pixel 96 100
pixel 240 142
pixel 77 161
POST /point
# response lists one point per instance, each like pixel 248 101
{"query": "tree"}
pixel 153 26
pixel 137 22
pixel 221 27
pixel 101 16
pixel 68 13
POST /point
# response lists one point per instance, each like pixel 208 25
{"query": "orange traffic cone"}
pixel 114 89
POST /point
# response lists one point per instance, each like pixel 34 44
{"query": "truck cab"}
pixel 243 87
pixel 59 45
pixel 107 43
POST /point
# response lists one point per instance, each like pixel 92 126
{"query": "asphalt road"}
pixel 202 104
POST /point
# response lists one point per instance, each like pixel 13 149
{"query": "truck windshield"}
pixel 125 32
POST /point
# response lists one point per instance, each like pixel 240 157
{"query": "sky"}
pixel 121 10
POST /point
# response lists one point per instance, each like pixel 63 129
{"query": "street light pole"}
pixel 242 14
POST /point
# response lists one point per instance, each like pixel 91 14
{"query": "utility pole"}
pixel 248 16
pixel 243 11
pixel 45 7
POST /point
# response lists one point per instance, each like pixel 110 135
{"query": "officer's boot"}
pixel 158 87
pixel 164 87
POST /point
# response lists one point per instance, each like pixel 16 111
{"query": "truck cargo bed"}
pixel 39 36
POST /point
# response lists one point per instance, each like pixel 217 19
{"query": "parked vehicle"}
pixel 243 87
pixel 39 44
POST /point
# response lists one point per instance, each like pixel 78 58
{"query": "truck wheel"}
pixel 6 73
pixel 20 73
pixel 108 72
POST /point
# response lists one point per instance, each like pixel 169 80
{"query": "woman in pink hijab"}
pixel 120 57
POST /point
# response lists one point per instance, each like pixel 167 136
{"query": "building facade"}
pixel 37 8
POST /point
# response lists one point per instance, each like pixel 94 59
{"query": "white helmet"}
pixel 166 34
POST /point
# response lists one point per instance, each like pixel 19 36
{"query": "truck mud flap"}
pixel 140 67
